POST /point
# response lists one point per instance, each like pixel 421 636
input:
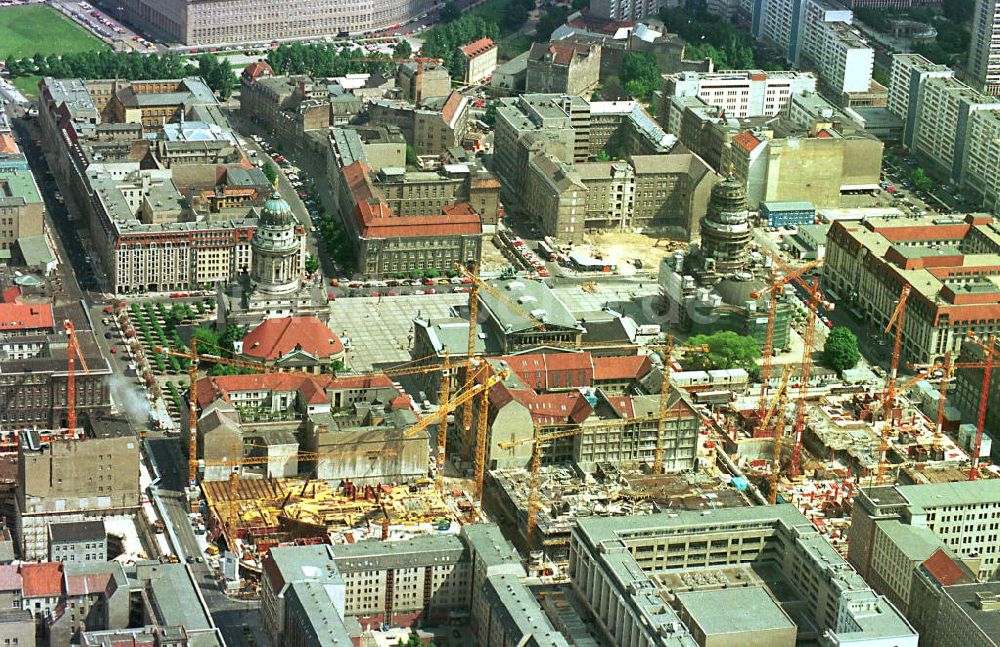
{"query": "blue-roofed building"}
pixel 787 214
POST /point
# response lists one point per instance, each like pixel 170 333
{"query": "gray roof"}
pixel 734 610
pixel 450 334
pixel 418 551
pixel 964 597
pixel 524 622
pixel 533 297
pixel 490 546
pixel 917 543
pixel 314 604
pixel 173 592
pixel 962 493
pixel 74 531
pixel 36 251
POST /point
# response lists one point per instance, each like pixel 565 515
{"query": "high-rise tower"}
pixel 725 229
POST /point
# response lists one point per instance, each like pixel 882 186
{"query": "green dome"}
pixel 276 212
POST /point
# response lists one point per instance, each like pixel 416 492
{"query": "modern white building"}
pixel 840 54
pixel 908 73
pixel 941 123
pixel 983 69
pixel 741 93
pixel 625 10
pixel 777 22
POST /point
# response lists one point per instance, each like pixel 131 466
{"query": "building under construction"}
pixel 257 514
pixel 566 494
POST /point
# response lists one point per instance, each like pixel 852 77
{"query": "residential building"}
pixel 908 73
pixel 983 69
pixel 968 616
pixel 739 93
pixel 389 243
pixel 17 626
pixel 293 342
pixel 151 223
pixel 980 181
pixel 69 480
pixel 945 107
pixel 625 10
pixel 777 23
pixel 21 207
pixel 667 558
pixel 376 146
pixel 480 60
pixel 840 54
pixel 420 81
pixel 962 515
pixel 946 260
pixel 78 542
pixel 431 126
pixel 561 67
pixel 197 22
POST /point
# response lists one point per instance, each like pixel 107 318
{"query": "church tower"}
pixel 277 251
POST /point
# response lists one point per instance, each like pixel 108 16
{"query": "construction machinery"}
pixel 777 406
pixel 781 275
pixel 534 469
pixel 889 402
pixel 72 352
pixel 989 347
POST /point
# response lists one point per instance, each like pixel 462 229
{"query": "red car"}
pixel 428 281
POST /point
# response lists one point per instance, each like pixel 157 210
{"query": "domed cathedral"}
pixel 278 252
pixel 274 286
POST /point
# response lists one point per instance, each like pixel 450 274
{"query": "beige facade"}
pixel 563 68
pixel 21 207
pixel 480 60
pixel 197 22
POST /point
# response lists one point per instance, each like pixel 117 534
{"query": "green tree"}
pixel 548 22
pixel 411 156
pixel 270 173
pixel 640 74
pixel 921 181
pixel 402 49
pixel 726 350
pixel 312 263
pixel 206 335
pixel 490 114
pixel 840 352
pixel 450 12
pixel 230 336
pixel 603 156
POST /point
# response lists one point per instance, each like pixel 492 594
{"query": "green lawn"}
pixel 40 29
pixel 28 85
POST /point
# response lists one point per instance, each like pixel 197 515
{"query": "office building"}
pixel 983 69
pixel 431 126
pixel 757 576
pixel 21 207
pixel 944 259
pixel 787 214
pixel 168 193
pixel 200 22
pixel 962 515
pixel 966 393
pixel 739 93
pixel 480 58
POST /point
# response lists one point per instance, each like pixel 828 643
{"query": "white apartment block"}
pixel 981 165
pixel 908 73
pixel 983 69
pixel 625 10
pixel 941 122
pixel 777 22
pixel 838 51
pixel 741 93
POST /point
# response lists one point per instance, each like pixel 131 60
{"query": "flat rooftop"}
pixel 734 610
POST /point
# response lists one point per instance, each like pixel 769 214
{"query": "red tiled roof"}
pixel 597 24
pixel 555 408
pixel 16 316
pixel 451 105
pixel 89 583
pixel 477 47
pixel 627 367
pixel 43 580
pixel 937 232
pixel 11 294
pixel 401 401
pixel 558 52
pixel 313 388
pixel 823 134
pixel 539 370
pixel 623 405
pixel 276 337
pixel 8 145
pixel 746 140
pixel 375 219
pixel 256 70
pixel 944 569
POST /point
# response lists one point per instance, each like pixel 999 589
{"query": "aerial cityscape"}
pixel 500 323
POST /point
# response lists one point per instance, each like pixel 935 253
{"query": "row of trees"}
pixel 708 37
pixel 105 64
pixel 727 350
pixel 443 41
pixel 326 59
